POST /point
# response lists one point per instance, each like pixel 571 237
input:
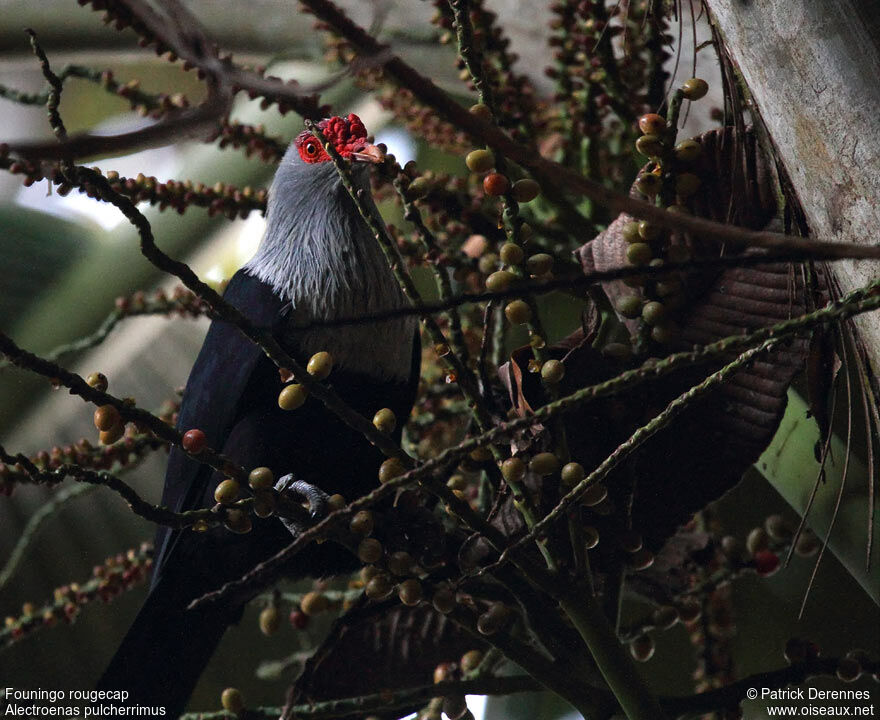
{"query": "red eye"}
pixel 311 148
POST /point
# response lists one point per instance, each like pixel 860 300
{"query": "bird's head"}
pixel 348 136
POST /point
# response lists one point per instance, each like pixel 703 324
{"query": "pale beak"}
pixel 369 153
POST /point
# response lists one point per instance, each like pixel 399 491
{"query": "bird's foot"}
pixel 298 490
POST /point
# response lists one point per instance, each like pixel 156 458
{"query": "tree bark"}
pixel 812 68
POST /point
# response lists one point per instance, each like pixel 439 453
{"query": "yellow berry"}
pixel 226 492
pixel 232 700
pixel 518 312
pixel 320 365
pixel 384 420
pixel 98 381
pixel 292 396
pixel 314 603
pixel 390 469
pixel 270 620
pixel 480 161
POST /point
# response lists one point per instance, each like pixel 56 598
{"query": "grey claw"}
pixel 317 499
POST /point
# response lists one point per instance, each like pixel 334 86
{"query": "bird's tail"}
pixel 164 652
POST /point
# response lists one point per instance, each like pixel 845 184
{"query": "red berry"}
pixel 652 124
pixel 299 619
pixel 194 441
pixel 766 562
pixel 495 184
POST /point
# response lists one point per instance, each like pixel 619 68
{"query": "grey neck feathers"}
pixel 319 255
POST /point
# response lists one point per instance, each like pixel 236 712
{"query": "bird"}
pixel 317 261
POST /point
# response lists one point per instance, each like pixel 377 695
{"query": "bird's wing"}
pixel 213 392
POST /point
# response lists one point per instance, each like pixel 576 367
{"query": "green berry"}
pixel 261 478
pixel 540 264
pixel 639 254
pixel 648 184
pixel 649 145
pixel 630 306
pixel 525 190
pixel 653 312
pixel 572 473
pixel 552 371
pixel 664 334
pixel 687 151
pixel 511 254
pixel 695 88
pixel 545 463
pixel 648 231
pixel 630 232
pixel 513 469
pixel 499 281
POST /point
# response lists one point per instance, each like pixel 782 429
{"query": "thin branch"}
pixel 77 386
pixel 154 513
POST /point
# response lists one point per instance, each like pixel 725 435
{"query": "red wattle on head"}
pixel 348 135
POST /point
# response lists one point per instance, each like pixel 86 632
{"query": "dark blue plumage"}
pixel 317 261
